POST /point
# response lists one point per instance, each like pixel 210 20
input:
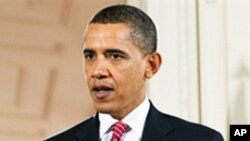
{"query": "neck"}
pixel 119 115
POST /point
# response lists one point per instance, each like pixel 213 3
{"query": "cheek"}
pixel 87 73
pixel 129 78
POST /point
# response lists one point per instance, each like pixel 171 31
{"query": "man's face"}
pixel 115 69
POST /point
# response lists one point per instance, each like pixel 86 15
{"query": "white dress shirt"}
pixel 135 120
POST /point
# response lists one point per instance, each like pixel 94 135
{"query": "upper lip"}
pixel 102 88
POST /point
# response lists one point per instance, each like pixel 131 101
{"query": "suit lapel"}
pixel 156 127
pixel 90 130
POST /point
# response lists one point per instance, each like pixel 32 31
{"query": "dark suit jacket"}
pixel 158 127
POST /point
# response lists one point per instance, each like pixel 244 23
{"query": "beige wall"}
pixel 42 89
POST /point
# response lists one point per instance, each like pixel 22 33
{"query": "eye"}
pixel 89 56
pixel 115 56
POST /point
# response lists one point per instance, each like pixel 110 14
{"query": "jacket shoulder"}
pixel 70 133
pixel 192 131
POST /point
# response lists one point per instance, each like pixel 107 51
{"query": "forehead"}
pixel 100 37
pixel 118 30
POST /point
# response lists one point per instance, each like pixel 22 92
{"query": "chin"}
pixel 103 109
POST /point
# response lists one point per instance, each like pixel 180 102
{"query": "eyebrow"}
pixel 86 50
pixel 116 51
pixel 111 50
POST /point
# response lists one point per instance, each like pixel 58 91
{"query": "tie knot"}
pixel 118 129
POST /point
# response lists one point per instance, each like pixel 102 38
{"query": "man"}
pixel 119 56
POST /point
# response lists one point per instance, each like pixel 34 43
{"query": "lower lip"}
pixel 102 94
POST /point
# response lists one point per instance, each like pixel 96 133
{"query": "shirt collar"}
pixel 134 119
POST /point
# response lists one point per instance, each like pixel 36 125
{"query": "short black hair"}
pixel 143 30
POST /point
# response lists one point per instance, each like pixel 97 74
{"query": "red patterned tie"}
pixel 118 129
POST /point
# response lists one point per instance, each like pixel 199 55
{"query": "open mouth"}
pixel 102 91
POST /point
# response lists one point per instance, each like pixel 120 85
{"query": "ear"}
pixel 154 63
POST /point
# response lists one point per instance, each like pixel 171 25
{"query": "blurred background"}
pixel 205 76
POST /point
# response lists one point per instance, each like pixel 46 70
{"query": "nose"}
pixel 100 69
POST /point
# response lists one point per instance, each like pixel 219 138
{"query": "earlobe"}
pixel 154 63
pixel 148 73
